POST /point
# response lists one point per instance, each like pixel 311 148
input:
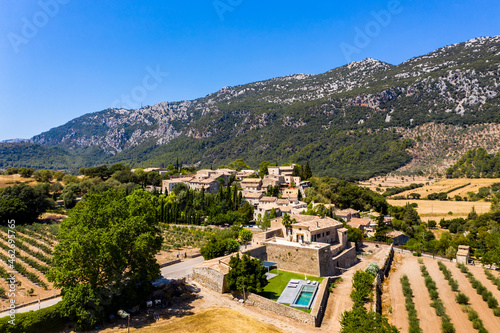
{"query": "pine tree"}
pixel 307 171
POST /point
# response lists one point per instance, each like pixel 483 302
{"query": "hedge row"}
pixel 481 290
pixel 462 299
pixel 34 243
pixel 45 320
pixel 492 278
pixel 3 273
pixel 33 263
pixel 37 254
pixel 447 275
pixel 24 272
pixel 437 304
pixel 35 235
pixel 410 306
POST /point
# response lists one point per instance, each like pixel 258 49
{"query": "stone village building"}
pixel 313 246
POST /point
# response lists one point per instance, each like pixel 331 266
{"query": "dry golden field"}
pixel 444 185
pixel 11 180
pixel 436 210
pixel 213 320
pixel 384 182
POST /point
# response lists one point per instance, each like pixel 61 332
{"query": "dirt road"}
pixel 340 301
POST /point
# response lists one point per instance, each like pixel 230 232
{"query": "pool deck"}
pixel 292 289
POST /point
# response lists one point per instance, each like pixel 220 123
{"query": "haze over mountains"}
pixel 353 122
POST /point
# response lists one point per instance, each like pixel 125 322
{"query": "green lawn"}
pixel 277 284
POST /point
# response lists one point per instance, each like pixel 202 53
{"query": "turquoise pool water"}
pixel 305 297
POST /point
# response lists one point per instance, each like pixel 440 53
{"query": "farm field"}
pixel 35 244
pixel 393 299
pixel 10 180
pixel 384 182
pixel 445 185
pixel 213 320
pixel 436 210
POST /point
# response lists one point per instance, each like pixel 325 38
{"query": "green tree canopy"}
pixel 245 236
pixel 23 203
pixel 246 273
pixel 108 242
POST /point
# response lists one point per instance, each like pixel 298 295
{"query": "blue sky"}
pixel 60 59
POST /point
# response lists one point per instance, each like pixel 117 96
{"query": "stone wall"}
pixel 259 252
pixel 210 278
pixel 305 259
pixel 319 305
pixel 326 266
pixel 317 310
pixel 382 274
pixel 261 237
pixel 345 259
pixel 287 311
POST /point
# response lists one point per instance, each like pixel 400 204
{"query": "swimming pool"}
pixel 305 297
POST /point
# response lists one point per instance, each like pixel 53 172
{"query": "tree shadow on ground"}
pixel 176 306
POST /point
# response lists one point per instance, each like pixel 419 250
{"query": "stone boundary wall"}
pixel 381 275
pixel 210 278
pixel 313 319
pixel 319 305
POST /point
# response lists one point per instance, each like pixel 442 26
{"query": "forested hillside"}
pixel 477 163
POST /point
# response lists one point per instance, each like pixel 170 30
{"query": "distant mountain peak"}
pixel 297 117
pixel 370 62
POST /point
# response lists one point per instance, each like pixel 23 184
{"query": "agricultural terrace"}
pixel 452 295
pixel 36 242
pixel 458 186
pixel 188 240
pixel 34 246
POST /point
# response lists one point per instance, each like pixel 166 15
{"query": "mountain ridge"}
pixel 456 84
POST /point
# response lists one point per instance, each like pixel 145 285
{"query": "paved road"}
pixel 181 269
pixel 176 271
pixel 34 307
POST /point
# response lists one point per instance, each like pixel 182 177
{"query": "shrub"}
pixel 45 320
pixel 485 295
pixel 462 298
pixel 373 269
pixel 433 294
pixel 447 327
pixel 439 307
pixel 492 302
pixel 496 312
pixel 480 288
pixel 477 323
pixel 472 315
